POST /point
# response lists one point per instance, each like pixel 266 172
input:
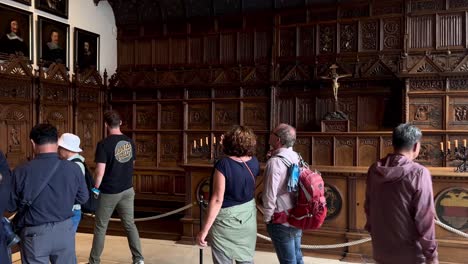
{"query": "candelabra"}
pixel 215 150
pixel 459 154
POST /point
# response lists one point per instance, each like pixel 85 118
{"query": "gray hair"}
pixel 286 134
pixel 405 136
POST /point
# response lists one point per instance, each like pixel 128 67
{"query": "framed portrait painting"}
pixel 56 7
pixel 26 2
pixel 53 42
pixel 86 50
pixel 16 32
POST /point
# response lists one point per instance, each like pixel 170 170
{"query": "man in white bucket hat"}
pixel 69 149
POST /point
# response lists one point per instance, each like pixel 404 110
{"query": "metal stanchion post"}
pixel 201 204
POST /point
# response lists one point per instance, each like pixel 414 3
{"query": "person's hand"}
pixel 268 155
pixel 201 238
pixel 96 192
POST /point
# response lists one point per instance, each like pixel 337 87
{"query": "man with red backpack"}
pixel 276 197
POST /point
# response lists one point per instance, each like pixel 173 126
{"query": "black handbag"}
pixel 25 204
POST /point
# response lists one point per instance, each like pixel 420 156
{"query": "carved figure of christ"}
pixel 334 76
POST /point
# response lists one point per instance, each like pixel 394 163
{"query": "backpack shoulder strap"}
pixel 284 160
pixel 43 184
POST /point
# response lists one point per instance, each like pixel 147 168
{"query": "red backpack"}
pixel 310 209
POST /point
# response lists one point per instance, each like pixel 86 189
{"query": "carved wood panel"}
pixel 287 42
pixel 285 110
pixel 458 113
pixel 211 49
pixel 146 149
pixel 368 151
pixel 89 129
pixel 199 116
pixel 226 115
pixel 263 44
pixel 345 151
pixel 392 33
pixel 256 115
pixel 126 52
pixel 196 50
pixel 179 50
pixel 305 114
pixel 450 27
pixel 429 155
pixel 246 47
pixel 426 112
pixel 146 116
pixel 307 43
pixel 262 146
pixel 303 146
pixel 423 24
pixel 371 111
pixel 171 116
pixel 322 151
pixel 327 38
pixel 16 123
pixel 228 48
pixel 170 149
pixel 59 116
pixel 348 37
pixel 161 51
pixel 144 52
pixel 386 146
pixel 369 35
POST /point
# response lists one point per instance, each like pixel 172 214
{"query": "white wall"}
pixel 85 15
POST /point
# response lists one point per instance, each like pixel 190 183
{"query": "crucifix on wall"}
pixel 334 76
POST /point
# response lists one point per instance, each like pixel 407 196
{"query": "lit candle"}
pixel 442 146
pixel 201 142
pixel 207 140
pixel 214 140
pixel 456 143
pixel 194 143
pixel 464 143
pixel 448 145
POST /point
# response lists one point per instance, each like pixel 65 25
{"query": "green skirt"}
pixel 234 232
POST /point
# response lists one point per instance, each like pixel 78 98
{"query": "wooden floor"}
pixel 164 252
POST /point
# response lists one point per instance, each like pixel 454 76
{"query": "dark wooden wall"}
pixel 29 96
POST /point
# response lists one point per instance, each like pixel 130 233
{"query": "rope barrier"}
pixel 451 229
pixel 152 217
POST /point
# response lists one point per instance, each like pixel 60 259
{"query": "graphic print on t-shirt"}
pixel 123 151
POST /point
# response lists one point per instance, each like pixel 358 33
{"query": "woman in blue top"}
pixel 232 215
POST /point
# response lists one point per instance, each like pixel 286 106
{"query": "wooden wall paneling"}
pixel 17 109
pixel 349 106
pixel 369 35
pixel 427 112
pixel 391 33
pixel 305 117
pixel 263 46
pixel 348 37
pixel 360 200
pixel 196 50
pixel 307 41
pixel 228 48
pixel 161 51
pixel 386 146
pixel 303 145
pixel 285 110
pixel 146 149
pixel 288 42
pixel 323 105
pixel 144 52
pixel 211 49
pixel 246 48
pixel 226 114
pixel 256 114
pixel 146 116
pixel 171 116
pixel 178 50
pixel 457 112
pixel 370 113
pixel 170 149
pixel 422 32
pixel 429 154
pixel 326 37
pixel 199 116
pixel 262 146
pixel 368 150
pixel 126 52
pixel 336 189
pixel 451 30
pixel 345 150
pixel 323 153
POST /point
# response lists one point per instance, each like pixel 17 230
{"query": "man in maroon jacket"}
pixel 399 204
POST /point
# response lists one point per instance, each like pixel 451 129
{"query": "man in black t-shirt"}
pixel 115 157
